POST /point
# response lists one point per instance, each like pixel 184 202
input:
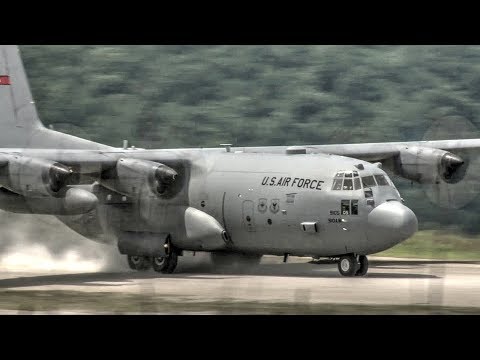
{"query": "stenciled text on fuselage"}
pixel 295 182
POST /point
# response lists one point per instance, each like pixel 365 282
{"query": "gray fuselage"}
pixel 267 203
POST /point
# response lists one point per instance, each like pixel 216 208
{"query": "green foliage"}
pixel 431 244
pixel 201 96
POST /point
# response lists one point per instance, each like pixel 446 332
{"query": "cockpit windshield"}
pixel 368 181
pixel 350 180
pixel 346 180
pixel 381 180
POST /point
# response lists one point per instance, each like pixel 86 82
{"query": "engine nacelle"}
pixel 134 176
pixel 429 165
pixel 75 201
pixel 33 177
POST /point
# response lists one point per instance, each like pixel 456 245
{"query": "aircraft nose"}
pixel 391 223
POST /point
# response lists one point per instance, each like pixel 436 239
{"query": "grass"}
pixel 113 303
pixel 437 244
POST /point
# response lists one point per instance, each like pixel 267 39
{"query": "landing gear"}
pixel 140 263
pixel 347 265
pixel 363 261
pixel 165 264
pixel 351 265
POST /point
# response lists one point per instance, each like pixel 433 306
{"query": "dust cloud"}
pixel 42 243
pixel 31 243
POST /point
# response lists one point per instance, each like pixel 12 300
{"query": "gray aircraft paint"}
pixel 259 195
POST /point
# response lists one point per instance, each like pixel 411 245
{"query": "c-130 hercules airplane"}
pixel 332 201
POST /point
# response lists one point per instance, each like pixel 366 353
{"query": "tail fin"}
pixel 16 103
pixel 20 126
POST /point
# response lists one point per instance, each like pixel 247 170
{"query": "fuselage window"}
pixel 348 174
pixel 368 193
pixel 354 207
pixel 355 173
pixel 339 175
pixel 348 184
pixel 356 183
pixel 381 180
pixel 345 207
pixel 368 181
pixel 337 184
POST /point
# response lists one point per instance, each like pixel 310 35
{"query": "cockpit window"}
pixel 368 181
pixel 337 184
pixel 356 183
pixel 347 180
pixel 348 184
pixel 381 180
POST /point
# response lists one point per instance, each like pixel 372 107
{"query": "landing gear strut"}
pixel 166 264
pixel 351 265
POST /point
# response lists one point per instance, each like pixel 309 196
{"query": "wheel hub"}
pixel 136 259
pixel 159 260
pixel 345 265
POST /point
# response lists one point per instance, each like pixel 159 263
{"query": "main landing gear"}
pixel 353 265
pixel 140 263
pixel 163 264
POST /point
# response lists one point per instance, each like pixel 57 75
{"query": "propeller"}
pixel 58 176
pixel 460 183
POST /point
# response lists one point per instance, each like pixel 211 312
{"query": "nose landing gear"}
pixel 363 269
pixel 353 265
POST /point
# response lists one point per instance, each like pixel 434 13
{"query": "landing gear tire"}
pixel 165 264
pixel 347 265
pixel 159 263
pixel 139 263
pixel 362 271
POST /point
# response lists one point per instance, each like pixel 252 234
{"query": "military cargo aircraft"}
pixel 333 201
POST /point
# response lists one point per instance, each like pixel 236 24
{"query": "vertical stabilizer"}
pixel 20 126
pixel 16 102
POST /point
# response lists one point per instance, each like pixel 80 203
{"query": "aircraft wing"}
pixel 22 133
pixel 372 152
pixel 369 151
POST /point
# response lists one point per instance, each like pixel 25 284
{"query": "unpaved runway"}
pixel 390 282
